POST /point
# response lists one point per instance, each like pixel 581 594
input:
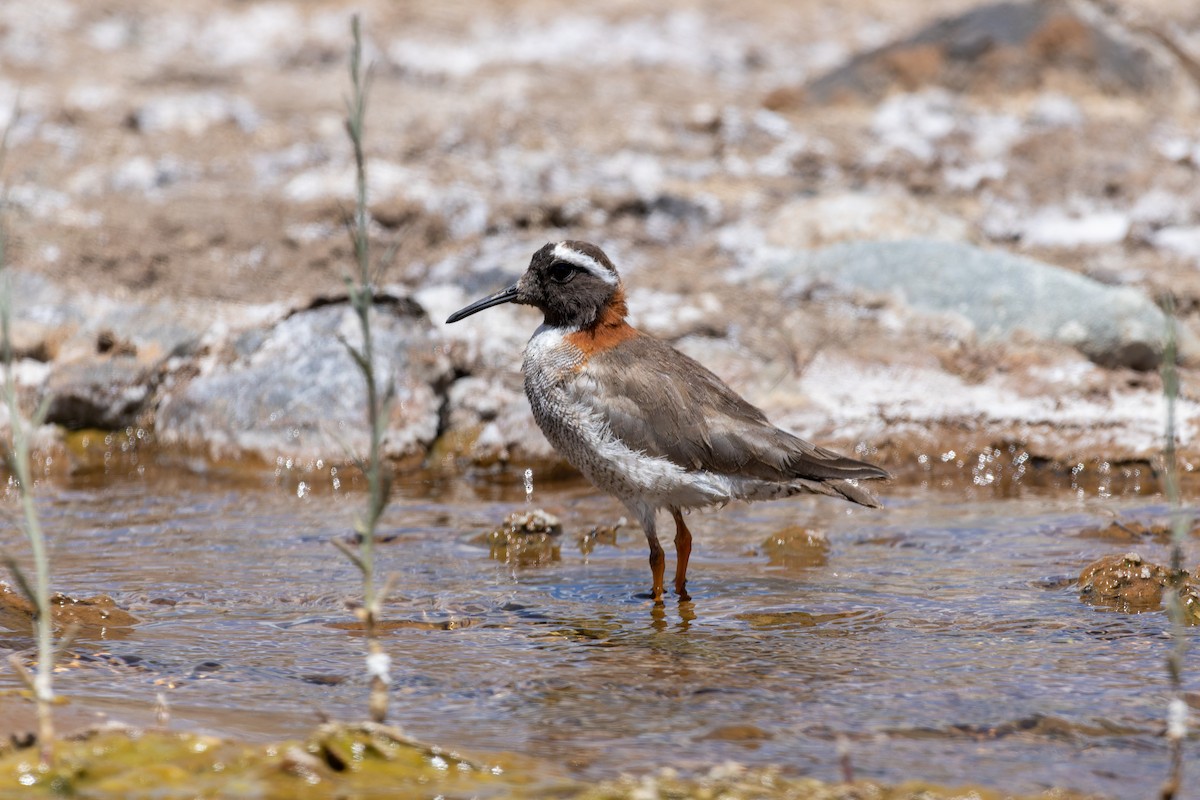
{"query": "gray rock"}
pixel 998 293
pixel 151 333
pixel 105 356
pixel 295 392
pixel 107 394
pixel 1006 45
pixel 37 301
pixel 72 326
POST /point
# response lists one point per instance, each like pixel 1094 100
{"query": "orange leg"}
pixel 658 559
pixel 683 551
pixel 658 565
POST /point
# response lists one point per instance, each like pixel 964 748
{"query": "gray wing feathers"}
pixel 663 403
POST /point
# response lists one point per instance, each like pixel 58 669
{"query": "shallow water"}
pixel 941 638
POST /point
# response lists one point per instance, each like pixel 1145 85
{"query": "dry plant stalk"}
pixel 1177 709
pixel 374 467
pixel 18 463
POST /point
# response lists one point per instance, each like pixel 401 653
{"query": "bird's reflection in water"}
pixel 659 621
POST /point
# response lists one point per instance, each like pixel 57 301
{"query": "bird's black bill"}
pixel 509 295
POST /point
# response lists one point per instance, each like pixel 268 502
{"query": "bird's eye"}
pixel 561 273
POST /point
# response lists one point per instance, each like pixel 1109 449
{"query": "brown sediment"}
pixel 1133 531
pixel 93 616
pixel 946 456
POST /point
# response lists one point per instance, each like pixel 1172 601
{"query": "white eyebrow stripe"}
pixel 584 261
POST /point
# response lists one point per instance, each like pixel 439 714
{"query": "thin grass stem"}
pixel 17 458
pixel 1177 712
pixel 360 289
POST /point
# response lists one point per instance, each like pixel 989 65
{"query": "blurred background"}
pixel 749 167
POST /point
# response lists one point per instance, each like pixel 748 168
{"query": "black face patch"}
pixel 569 295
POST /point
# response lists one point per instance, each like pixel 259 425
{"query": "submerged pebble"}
pixel 601 534
pixel 1131 584
pixel 1131 531
pixel 97 616
pixel 795 547
pixel 527 538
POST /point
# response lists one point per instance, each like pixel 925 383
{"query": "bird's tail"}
pixel 817 462
pixel 823 471
pixel 843 489
pixel 854 493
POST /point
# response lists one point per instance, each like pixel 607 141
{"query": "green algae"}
pixel 366 760
pixel 343 761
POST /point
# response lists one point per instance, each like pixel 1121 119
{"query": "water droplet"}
pixel 302 490
pixel 528 485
